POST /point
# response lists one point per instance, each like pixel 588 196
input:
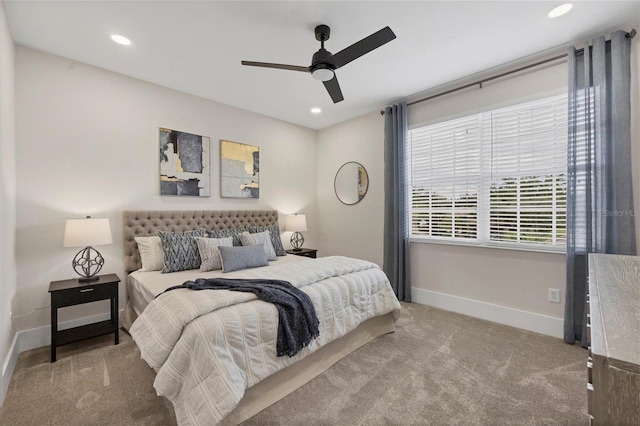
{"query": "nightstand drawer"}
pixel 84 294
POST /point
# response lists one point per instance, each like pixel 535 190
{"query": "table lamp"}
pixel 87 233
pixel 296 223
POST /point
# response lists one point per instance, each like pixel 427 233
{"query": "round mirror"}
pixel 351 183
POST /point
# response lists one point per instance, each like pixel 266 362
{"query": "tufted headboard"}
pixel 146 222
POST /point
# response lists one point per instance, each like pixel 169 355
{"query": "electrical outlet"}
pixel 554 295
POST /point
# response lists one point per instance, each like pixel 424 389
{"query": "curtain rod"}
pixel 480 82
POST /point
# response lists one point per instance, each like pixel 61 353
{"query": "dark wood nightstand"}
pixel 72 292
pixel 306 252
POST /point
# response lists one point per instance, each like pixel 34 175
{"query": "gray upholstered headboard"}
pixel 146 222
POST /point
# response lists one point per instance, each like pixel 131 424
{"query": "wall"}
pixel 88 144
pixel 352 230
pixel 7 201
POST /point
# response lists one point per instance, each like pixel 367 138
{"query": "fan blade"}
pixel 363 46
pixel 278 66
pixel 333 88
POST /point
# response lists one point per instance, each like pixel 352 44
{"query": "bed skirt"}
pixel 128 316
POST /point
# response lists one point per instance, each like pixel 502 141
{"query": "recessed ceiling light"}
pixel 560 10
pixel 316 110
pixel 121 40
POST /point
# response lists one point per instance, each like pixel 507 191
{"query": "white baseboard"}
pixel 36 338
pixel 8 367
pixel 531 321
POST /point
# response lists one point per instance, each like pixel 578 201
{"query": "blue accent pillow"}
pixel 224 233
pixel 236 258
pixel 274 232
pixel 180 250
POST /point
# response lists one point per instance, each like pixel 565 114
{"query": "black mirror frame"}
pixel 335 190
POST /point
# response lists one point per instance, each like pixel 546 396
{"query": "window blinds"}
pixel 495 178
pixel 445 178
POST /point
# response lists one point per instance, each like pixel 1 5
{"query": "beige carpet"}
pixel 438 368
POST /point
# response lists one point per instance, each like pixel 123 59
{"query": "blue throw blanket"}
pixel 298 323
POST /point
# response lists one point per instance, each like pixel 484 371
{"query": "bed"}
pixel 218 366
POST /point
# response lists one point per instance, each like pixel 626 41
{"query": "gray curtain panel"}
pixel 396 220
pixel 600 215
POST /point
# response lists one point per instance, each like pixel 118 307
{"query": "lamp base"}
pixel 297 240
pixel 87 263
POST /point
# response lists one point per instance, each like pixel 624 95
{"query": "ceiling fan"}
pixel 324 64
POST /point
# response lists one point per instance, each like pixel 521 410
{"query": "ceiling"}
pixel 196 46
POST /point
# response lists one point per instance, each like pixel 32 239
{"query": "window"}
pixel 497 178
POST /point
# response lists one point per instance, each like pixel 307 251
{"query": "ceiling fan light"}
pixel 322 74
pixel 560 10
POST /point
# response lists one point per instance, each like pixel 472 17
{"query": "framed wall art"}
pixel 184 164
pixel 239 170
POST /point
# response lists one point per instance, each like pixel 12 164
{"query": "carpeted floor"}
pixel 438 368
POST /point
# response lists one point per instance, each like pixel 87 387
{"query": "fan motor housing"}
pixel 323 32
pixel 322 56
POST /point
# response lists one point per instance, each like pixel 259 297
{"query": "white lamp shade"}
pixel 87 232
pixel 296 222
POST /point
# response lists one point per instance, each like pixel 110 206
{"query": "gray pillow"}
pixel 276 239
pixel 224 233
pixel 262 238
pixel 209 252
pixel 236 258
pixel 180 250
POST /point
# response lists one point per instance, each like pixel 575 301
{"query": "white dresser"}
pixel 614 330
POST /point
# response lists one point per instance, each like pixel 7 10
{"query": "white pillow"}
pixel 263 238
pixel 210 253
pixel 151 254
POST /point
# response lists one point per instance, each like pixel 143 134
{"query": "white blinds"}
pixel 445 178
pixel 527 196
pixel 498 177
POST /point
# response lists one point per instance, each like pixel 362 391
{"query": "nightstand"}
pixel 306 252
pixel 72 292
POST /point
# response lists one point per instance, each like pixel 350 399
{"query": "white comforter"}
pixel 209 346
